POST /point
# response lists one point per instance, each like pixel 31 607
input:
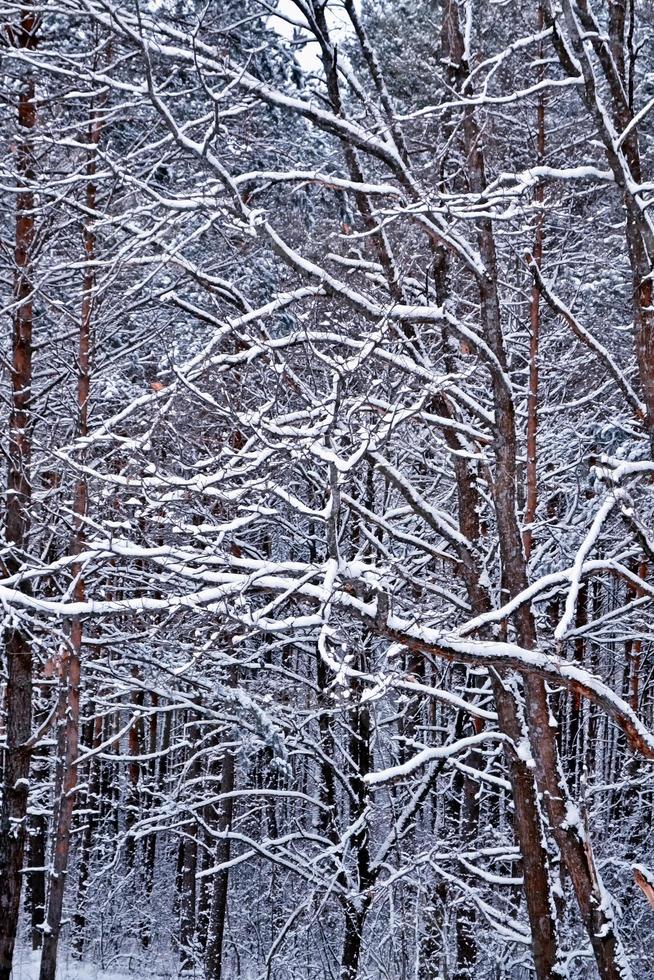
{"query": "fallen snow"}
pixel 26 967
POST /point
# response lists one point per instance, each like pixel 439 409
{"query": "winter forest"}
pixel 327 524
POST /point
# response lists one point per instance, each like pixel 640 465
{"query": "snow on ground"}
pixel 26 967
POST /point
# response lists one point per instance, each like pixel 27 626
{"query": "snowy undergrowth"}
pixel 27 962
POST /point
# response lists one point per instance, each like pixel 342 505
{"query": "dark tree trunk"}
pixel 188 872
pixel 84 872
pixel 213 958
pixel 35 897
pixel 351 955
pixel 218 912
pixel 150 856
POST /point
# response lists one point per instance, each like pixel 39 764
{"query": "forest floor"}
pixel 26 967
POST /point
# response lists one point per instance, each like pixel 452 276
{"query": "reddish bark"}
pixel 69 716
pixel 18 650
pixel 573 843
pixel 635 653
pixel 534 336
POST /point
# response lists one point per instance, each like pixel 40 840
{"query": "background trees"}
pixel 329 466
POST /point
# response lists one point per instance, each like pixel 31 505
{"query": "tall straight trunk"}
pixel 527 820
pixel 569 834
pixel 188 873
pixel 36 876
pixel 188 898
pixel 18 650
pixel 153 744
pixel 534 334
pixel 573 703
pixel 327 787
pixel 69 743
pixel 528 825
pixel 635 653
pixel 218 914
pixel 351 954
pixel 465 810
pixel 40 777
pixel 93 810
pixel 356 911
pixel 213 958
pixel 135 749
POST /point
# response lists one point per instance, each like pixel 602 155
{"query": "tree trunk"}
pixel 534 335
pixel 188 879
pixel 573 844
pixel 218 914
pixel 355 912
pixel 18 650
pixel 528 824
pixel 354 921
pixel 71 660
pixel 36 877
pixel 213 959
pixel 84 873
